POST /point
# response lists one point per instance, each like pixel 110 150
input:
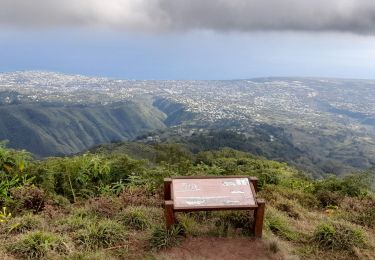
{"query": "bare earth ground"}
pixel 219 248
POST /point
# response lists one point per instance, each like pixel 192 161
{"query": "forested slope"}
pixel 47 129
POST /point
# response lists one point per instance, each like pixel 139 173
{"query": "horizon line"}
pixel 181 79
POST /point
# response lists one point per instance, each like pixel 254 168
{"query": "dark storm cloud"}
pixel 354 16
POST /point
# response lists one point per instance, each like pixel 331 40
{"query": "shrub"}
pixel 52 212
pixel 329 198
pixel 163 238
pixel 37 244
pixel 13 166
pixel 352 185
pixel 274 193
pixel 337 236
pixel 60 201
pixel 134 217
pixel 122 167
pixel 152 180
pixel 29 197
pixel 268 177
pixel 102 234
pixel 74 177
pixel 139 196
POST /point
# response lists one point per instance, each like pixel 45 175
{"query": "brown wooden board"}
pixel 212 193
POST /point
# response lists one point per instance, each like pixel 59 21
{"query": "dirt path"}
pixel 208 248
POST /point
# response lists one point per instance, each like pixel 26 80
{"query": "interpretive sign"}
pixel 184 194
pixel 212 193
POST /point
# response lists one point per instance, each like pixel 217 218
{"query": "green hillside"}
pixel 313 159
pixel 177 113
pixel 54 129
pixel 107 205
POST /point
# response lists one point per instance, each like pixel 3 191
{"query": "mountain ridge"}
pixel 53 129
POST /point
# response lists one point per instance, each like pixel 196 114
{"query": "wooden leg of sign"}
pixel 259 217
pixel 167 188
pixel 169 213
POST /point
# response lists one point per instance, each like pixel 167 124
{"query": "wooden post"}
pixel 259 218
pixel 169 213
pixel 167 189
pixel 254 181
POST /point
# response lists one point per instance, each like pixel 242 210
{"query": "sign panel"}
pixel 212 193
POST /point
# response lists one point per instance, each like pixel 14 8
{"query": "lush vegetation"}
pixel 41 128
pixel 109 205
pixel 319 158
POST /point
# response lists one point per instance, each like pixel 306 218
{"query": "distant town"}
pixel 309 103
pixel 323 118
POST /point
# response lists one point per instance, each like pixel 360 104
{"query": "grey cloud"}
pixel 354 16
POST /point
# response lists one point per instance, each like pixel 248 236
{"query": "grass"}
pixel 37 244
pixel 137 231
pixel 366 218
pixel 279 224
pixel 83 212
pixel 190 225
pixel 87 255
pixel 104 233
pixel 135 218
pixel 75 222
pixel 228 221
pixel 25 223
pixel 274 246
pixel 163 238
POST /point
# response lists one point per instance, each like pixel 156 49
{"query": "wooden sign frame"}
pixel 258 208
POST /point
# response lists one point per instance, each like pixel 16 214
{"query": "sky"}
pixel 190 39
